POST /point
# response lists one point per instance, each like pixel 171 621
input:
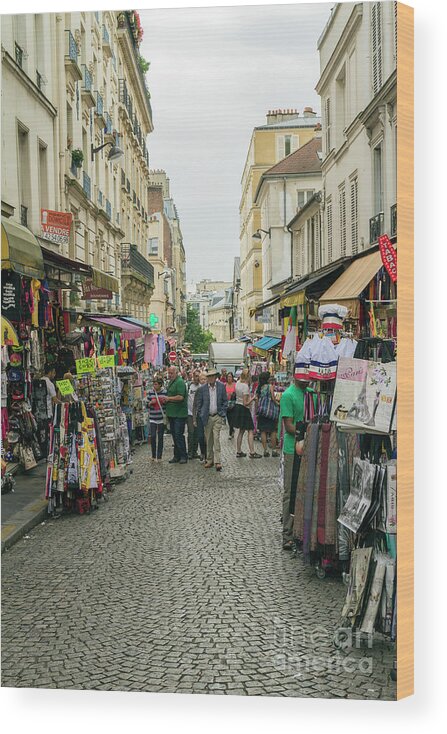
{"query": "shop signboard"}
pixel 389 256
pixel 65 387
pixel 364 395
pixel 91 292
pixel 86 364
pixel 106 360
pixel 55 226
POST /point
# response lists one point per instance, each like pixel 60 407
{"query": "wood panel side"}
pixel 405 351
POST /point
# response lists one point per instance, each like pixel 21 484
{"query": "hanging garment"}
pixel 289 347
pixel 302 360
pixel 332 315
pixel 309 488
pixel 323 363
pixel 358 576
pixel 346 347
pixel 348 449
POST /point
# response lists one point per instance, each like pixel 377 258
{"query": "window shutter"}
pixel 342 194
pixel 317 241
pixel 376 33
pixel 354 217
pixel 303 254
pixel 395 32
pixel 295 143
pixel 329 229
pixel 279 147
pixel 297 255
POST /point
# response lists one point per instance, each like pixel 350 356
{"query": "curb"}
pixel 19 524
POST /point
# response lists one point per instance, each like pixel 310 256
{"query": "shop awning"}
pixel 313 285
pixel 347 288
pixel 136 322
pixel 21 251
pixel 128 331
pixel 104 280
pixel 266 304
pixel 267 343
pixel 64 263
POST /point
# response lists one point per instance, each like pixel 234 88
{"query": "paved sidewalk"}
pixel 24 507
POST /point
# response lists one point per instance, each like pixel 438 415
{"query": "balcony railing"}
pixel 137 56
pixel 132 260
pixel 87 184
pixel 87 82
pixel 72 49
pixel 99 104
pixel 108 125
pixel 108 209
pixel 393 221
pixel 375 227
pixel 105 35
pixel 23 215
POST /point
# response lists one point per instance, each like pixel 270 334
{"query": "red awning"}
pixel 128 331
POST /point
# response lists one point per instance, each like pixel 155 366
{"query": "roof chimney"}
pixel 308 112
pixel 275 116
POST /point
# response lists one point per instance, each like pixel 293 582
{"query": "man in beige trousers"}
pixel 212 406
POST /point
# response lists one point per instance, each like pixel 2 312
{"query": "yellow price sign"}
pixel 107 360
pixel 65 387
pixel 86 364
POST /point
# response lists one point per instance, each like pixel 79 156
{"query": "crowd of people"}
pixel 201 403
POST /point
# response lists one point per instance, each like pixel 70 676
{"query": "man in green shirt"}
pixel 177 412
pixel 291 412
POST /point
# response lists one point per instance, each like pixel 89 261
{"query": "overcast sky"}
pixel 214 74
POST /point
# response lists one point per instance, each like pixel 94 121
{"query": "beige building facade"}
pixel 284 132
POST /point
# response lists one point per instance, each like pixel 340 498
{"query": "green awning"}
pixel 104 280
pixel 21 251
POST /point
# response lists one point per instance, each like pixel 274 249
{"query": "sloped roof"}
pixel 302 160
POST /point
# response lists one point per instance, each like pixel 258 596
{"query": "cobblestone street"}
pixel 179 584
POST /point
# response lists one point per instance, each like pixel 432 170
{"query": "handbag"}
pixel 268 408
pixel 27 457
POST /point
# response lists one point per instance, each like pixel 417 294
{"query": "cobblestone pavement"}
pixel 179 584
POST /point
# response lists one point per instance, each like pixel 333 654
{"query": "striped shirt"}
pixel 155 413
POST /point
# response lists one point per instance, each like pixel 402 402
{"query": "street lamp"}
pixel 113 154
pixel 257 235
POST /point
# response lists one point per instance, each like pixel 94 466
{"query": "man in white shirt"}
pixel 193 439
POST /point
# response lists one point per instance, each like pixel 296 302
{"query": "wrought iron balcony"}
pixel 108 209
pixel 71 49
pixel 87 79
pixel 123 93
pixel 134 263
pixel 87 184
pixel 393 221
pixel 108 125
pixel 99 104
pixel 376 226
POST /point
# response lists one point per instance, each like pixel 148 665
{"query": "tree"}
pixel 198 338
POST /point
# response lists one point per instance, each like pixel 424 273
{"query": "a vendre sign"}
pixel 55 226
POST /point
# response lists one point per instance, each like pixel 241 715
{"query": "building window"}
pixel 287 145
pixel 43 176
pixel 24 174
pixel 328 123
pixel 18 55
pixel 376 42
pixel 342 210
pixel 354 217
pixel 304 196
pixel 378 179
pixel 153 246
pixel 340 105
pixel 329 229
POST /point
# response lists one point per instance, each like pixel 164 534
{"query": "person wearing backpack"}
pixel 267 413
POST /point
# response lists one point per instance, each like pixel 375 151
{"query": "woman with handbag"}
pixel 243 418
pixel 230 387
pixel 268 413
pixel 157 418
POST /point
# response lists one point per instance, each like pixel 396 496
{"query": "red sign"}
pixel 389 256
pixel 90 292
pixel 56 226
pixel 172 356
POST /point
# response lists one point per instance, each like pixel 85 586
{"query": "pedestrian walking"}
pixel 291 413
pixel 177 412
pixel 156 400
pixel 267 413
pixel 193 441
pixel 212 408
pixel 198 421
pixel 243 418
pixel 230 387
